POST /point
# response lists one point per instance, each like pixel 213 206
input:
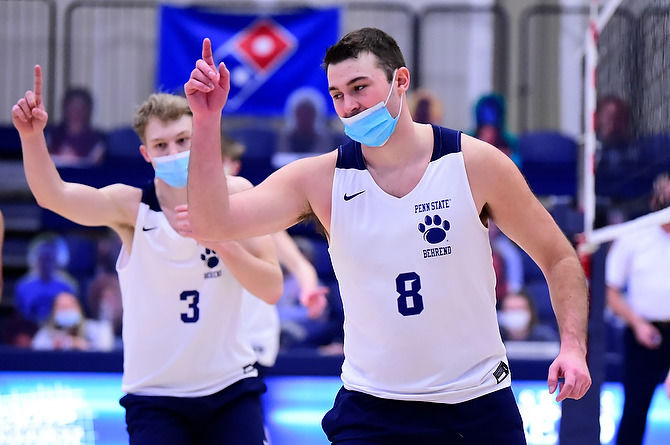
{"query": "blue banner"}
pixel 268 56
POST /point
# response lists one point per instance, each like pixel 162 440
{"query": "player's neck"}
pixel 399 166
pixel 410 143
pixel 169 197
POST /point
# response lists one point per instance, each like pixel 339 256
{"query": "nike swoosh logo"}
pixel 146 229
pixel 348 197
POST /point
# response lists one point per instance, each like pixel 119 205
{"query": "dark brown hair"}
pixel 373 40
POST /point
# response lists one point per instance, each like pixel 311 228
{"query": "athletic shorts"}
pixel 233 416
pixel 361 419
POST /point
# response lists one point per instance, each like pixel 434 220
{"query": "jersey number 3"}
pixel 410 301
pixel 193 297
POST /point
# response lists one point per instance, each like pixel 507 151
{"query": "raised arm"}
pixel 501 191
pixel 109 206
pixel 275 205
pixel 207 91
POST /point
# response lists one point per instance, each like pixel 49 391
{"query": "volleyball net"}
pixel 626 117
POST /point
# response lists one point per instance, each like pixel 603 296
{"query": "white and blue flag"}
pixel 268 56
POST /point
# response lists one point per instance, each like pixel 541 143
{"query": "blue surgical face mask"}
pixel 374 126
pixel 67 318
pixel 173 169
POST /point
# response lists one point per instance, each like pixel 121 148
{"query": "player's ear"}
pixel 402 79
pixel 145 154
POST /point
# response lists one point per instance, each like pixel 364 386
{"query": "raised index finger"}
pixel 38 84
pixel 207 52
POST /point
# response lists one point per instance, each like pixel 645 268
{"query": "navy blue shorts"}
pixel 233 416
pixel 361 419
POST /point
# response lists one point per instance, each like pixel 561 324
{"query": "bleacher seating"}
pixel 123 142
pixel 549 162
pixel 10 143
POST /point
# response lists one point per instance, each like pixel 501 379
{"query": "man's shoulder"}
pixel 312 165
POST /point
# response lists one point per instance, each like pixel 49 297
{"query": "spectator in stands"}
pixel 490 125
pixel 614 130
pixel 519 320
pixel 305 124
pixel 35 292
pixel 103 298
pixel 624 173
pixel 68 329
pixel 425 107
pixel 638 263
pixel 16 331
pixel 104 303
pixel 74 142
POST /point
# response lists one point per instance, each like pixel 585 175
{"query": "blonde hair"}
pixel 165 107
pixel 230 148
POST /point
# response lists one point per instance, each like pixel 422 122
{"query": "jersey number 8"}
pixel 410 301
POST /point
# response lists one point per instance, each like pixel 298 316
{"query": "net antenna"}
pixel 600 13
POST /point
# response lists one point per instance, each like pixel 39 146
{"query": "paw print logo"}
pixel 434 229
pixel 210 258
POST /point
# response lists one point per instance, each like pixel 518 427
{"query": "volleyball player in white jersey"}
pixel 405 208
pixel 188 368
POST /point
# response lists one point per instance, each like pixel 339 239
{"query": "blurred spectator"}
pixel 74 142
pixel 104 303
pixel 618 154
pixel 305 124
pixel 2 243
pixel 425 107
pixel 490 125
pixel 507 262
pixel 614 125
pixel 103 298
pixel 68 329
pixel 624 174
pixel 637 268
pixel 519 321
pixel 34 293
pixel 16 331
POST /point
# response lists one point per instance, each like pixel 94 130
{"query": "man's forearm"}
pixel 43 179
pixel 207 188
pixel 569 297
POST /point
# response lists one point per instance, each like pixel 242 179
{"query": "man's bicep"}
pixel 109 206
pixel 277 203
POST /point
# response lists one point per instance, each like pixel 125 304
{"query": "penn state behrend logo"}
pixel 434 229
pixel 211 260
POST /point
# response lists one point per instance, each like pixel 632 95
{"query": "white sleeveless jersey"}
pixel 417 282
pixel 182 333
pixel 260 321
